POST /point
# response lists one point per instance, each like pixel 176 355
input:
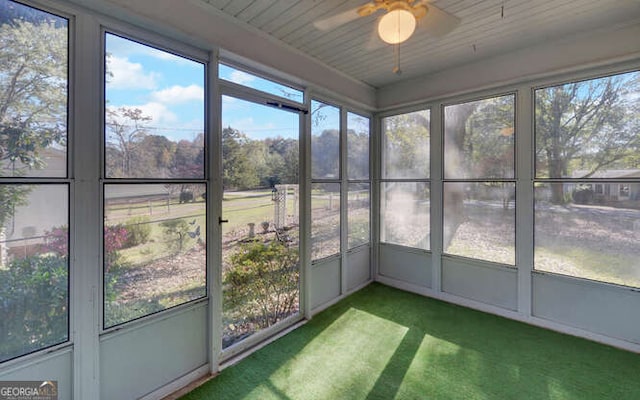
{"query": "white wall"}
pixel 618 43
pixel 92 367
pixel 205 27
pixel 598 311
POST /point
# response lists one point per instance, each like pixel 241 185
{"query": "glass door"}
pixel 260 211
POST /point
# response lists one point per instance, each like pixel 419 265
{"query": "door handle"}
pixel 221 221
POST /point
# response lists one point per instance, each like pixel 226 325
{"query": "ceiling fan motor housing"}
pixel 418 10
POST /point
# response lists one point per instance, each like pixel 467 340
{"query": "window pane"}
pixel 154 112
pixel 325 220
pixel 357 146
pixel 33 92
pixel 259 153
pixel 592 235
pixel 405 152
pixel 479 139
pixel 479 221
pixel 261 240
pixel 404 212
pixel 584 129
pixel 358 213
pixel 154 248
pixel 255 82
pixel 325 141
pixel 34 265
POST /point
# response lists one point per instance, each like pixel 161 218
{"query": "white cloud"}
pixel 241 78
pixel 179 94
pixel 165 56
pixel 163 122
pixel 256 130
pixel 128 75
pixel 160 115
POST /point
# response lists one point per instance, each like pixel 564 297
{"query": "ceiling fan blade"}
pixel 438 22
pixel 337 20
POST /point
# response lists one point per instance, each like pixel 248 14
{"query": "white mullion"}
pixel 344 232
pixel 524 196
pixel 436 189
pixel 213 117
pixel 86 271
pixel 374 193
pixel 304 181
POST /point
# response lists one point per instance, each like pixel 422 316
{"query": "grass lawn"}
pixel 383 343
pixel 243 208
pixel 590 264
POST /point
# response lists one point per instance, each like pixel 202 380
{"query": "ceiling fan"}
pixel 400 19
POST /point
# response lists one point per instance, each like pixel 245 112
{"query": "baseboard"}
pixel 171 388
pixel 335 300
pixel 252 349
pixel 527 319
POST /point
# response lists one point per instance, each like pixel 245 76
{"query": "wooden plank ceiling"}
pixel 487 28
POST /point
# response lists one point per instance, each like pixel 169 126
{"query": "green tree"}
pixel 358 154
pixel 11 197
pixel 589 125
pixel 284 159
pixel 125 130
pixel 325 157
pixel 176 231
pixel 157 155
pixel 33 92
pixel 455 126
pixel 188 161
pixel 238 172
pixel 488 143
pixel 406 141
pixel 33 96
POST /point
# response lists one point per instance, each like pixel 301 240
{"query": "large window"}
pixel 404 189
pixel 253 81
pixel 479 186
pixel 325 175
pixel 34 185
pixel 587 186
pixel 261 198
pixel 155 224
pixel 359 186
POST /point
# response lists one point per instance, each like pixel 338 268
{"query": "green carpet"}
pixel 383 343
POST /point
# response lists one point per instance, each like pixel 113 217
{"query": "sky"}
pixel 170 90
pixel 167 88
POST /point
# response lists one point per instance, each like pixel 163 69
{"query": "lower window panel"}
pixel 589 230
pixel 34 268
pixel 154 248
pixel 479 220
pixel 325 220
pixel 358 214
pixel 404 214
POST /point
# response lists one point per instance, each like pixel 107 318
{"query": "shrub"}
pixel 33 304
pixel 583 195
pixel 57 240
pixel 177 232
pixel 114 239
pixel 263 281
pixel 138 231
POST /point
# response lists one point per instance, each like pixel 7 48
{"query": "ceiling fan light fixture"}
pixel 396 26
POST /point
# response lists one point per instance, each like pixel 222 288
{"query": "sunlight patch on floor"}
pixel 341 354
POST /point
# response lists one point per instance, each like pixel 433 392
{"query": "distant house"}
pixel 608 191
pixel 23 233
